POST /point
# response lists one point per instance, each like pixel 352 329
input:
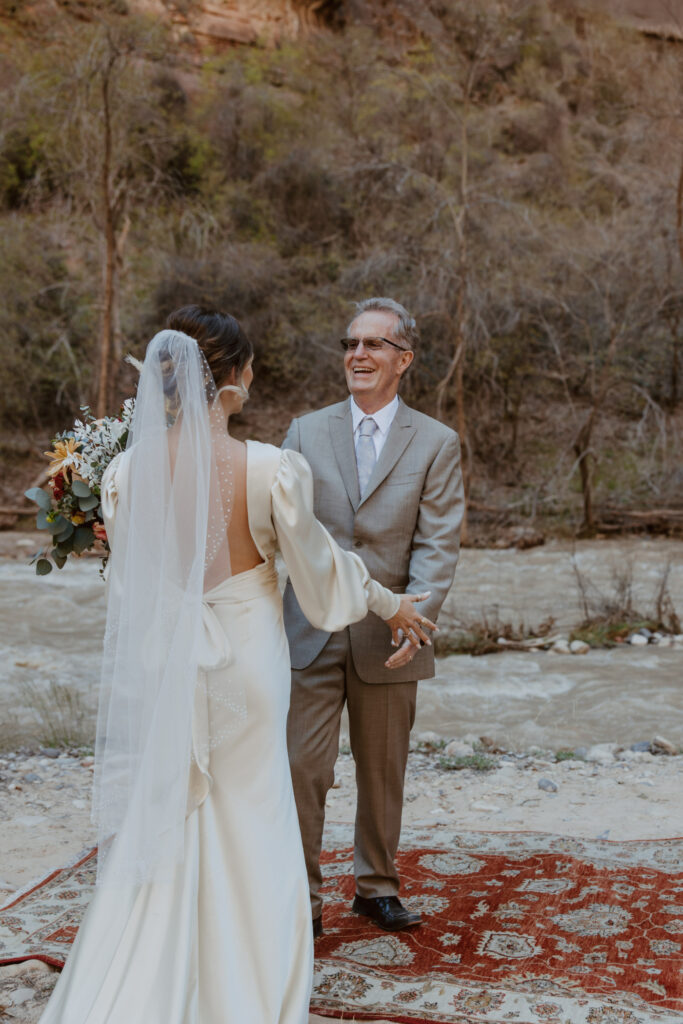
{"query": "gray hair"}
pixel 407 328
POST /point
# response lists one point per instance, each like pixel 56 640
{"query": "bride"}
pixel 201 914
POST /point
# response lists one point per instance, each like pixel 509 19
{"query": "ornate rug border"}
pixel 578 1005
pixel 38 883
pixel 81 858
pixel 517 832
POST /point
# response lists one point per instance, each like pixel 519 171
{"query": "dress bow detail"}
pixel 215 652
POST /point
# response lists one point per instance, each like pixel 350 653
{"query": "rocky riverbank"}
pixel 45 795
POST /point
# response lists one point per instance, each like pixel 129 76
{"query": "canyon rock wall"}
pixel 229 22
pixel 654 17
pixel 219 23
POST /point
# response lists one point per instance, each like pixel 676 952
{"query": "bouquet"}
pixel 70 508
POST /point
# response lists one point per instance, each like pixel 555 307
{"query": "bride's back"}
pixel 244 554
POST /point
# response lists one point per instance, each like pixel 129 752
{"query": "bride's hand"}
pixel 410 622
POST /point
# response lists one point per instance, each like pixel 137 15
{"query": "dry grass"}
pixel 60 714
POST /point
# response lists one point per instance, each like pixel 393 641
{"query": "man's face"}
pixel 373 377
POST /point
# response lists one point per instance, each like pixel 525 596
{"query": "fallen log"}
pixel 658 520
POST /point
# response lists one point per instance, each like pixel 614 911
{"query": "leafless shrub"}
pixel 615 607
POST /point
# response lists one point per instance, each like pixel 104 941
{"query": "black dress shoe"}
pixel 317 927
pixel 386 911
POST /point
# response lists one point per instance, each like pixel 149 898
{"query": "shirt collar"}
pixel 383 417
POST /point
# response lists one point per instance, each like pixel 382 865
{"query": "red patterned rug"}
pixel 525 928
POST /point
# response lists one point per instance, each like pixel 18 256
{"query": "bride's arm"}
pixel 333 586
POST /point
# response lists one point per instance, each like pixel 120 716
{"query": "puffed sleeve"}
pixel 109 495
pixel 332 586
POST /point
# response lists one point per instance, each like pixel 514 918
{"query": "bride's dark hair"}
pixel 219 336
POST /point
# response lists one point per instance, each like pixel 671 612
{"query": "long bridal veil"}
pixel 170 547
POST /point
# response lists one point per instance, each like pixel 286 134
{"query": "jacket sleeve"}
pixel 333 586
pixel 436 540
pixel 291 440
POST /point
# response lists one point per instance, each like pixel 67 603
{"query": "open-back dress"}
pixel 229 939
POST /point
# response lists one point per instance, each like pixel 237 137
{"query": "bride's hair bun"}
pixel 219 336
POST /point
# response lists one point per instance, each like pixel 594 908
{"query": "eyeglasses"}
pixel 371 344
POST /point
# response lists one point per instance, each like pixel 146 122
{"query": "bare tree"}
pixel 109 140
pixel 609 302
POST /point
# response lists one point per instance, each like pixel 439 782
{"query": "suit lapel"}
pixel 400 435
pixel 341 435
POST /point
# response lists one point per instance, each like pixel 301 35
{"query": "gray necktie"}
pixel 365 452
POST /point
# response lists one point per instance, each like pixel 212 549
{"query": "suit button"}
pixel 358 543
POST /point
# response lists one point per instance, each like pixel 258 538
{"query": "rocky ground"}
pixel 603 791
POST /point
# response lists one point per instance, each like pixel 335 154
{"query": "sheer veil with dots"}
pixel 170 548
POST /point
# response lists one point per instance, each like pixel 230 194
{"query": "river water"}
pixel 51 628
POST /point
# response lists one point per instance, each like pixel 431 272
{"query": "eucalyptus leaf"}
pixel 60 560
pixel 83 538
pixel 85 504
pixel 80 489
pixel 42 498
pixel 66 532
pixel 43 567
pixel 41 519
pixel 57 526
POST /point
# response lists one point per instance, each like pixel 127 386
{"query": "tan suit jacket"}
pixel 405 528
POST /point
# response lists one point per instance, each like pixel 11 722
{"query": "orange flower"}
pixel 64 457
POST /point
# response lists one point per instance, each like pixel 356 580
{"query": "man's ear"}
pixel 405 360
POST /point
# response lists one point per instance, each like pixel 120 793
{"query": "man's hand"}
pixel 408 629
pixel 403 656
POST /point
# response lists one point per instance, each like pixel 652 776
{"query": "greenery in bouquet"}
pixel 70 508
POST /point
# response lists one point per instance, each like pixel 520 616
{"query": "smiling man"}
pixel 388 486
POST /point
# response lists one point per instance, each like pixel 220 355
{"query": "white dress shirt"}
pixel 383 418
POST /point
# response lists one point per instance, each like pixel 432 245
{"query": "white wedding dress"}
pixel 229 939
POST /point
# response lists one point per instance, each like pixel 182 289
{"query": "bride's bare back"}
pixel 244 554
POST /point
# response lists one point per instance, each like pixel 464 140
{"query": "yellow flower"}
pixel 78 518
pixel 64 457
